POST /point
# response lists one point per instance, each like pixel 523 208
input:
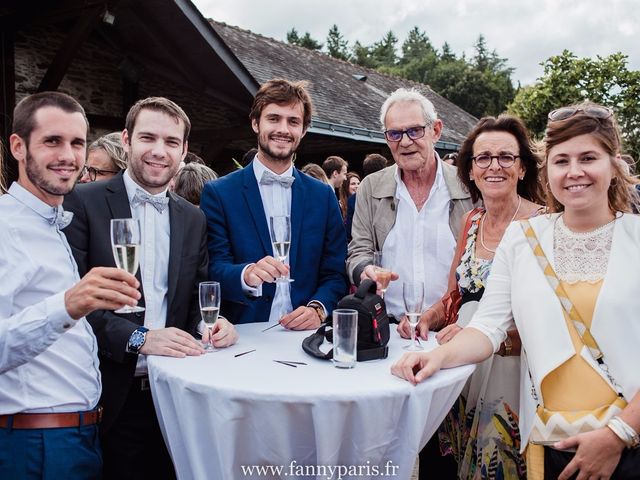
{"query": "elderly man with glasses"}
pixel 411 211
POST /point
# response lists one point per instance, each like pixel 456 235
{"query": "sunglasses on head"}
pixel 595 111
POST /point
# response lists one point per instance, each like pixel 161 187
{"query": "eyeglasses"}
pixel 595 111
pixel 505 161
pixel 414 133
pixel 94 172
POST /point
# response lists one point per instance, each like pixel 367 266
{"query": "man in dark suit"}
pixel 238 208
pixel 173 260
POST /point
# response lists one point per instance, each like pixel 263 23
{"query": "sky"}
pixel 526 32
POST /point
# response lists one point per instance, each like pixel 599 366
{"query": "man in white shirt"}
pixel 411 212
pixel 238 209
pixel 49 377
pixel 173 260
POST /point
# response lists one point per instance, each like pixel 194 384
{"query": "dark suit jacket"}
pixel 94 205
pixel 239 235
pixel 351 209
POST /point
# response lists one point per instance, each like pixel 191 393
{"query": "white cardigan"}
pixel 517 290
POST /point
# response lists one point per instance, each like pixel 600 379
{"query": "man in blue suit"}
pixel 238 208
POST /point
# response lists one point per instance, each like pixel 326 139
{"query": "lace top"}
pixel 581 256
pixel 472 272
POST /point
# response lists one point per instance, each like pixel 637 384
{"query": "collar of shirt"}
pixel 438 182
pixel 276 200
pixel 259 168
pixel 29 200
pixel 132 186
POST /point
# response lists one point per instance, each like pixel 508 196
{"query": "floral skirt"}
pixel 481 430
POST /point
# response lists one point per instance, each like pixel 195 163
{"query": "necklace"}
pixel 482 226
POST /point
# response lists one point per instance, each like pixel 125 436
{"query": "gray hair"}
pixel 404 95
pixel 112 145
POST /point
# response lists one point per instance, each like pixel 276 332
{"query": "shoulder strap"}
pixel 565 301
pixel 462 237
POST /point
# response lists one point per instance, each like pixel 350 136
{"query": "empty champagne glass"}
pixel 383 274
pixel 413 297
pixel 125 243
pixel 280 230
pixel 209 309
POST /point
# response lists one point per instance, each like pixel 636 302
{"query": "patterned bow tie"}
pixel 159 203
pixel 61 218
pixel 269 178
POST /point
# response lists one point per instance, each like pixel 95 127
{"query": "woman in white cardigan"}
pixel 568 401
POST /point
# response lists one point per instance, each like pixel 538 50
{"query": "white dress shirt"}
pixel 276 200
pixel 155 230
pixel 48 361
pixel 420 246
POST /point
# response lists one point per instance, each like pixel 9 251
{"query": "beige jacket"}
pixel 375 214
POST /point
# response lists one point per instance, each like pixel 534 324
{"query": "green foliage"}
pixel 383 52
pixel 568 79
pixel 292 37
pixel 481 86
pixel 361 55
pixel 416 47
pixel 337 46
pixel 305 41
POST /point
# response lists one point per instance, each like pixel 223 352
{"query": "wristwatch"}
pixel 317 306
pixel 137 339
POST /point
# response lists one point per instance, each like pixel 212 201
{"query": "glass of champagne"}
pixel 383 274
pixel 125 243
pixel 413 296
pixel 209 309
pixel 280 230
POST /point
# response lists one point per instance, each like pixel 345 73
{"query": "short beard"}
pixel 36 177
pixel 273 156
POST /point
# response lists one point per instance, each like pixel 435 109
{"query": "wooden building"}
pixel 109 53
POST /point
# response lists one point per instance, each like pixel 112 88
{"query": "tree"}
pixel 292 37
pixel 383 52
pixel 361 55
pixel 337 46
pixel 567 79
pixel 447 55
pixel 305 41
pixel 416 47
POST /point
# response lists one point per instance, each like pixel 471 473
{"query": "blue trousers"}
pixel 50 453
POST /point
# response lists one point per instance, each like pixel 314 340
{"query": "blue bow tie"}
pixel 159 203
pixel 61 218
pixel 269 178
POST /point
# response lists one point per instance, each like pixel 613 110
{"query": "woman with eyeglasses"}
pixel 105 158
pixel 496 163
pixel 568 281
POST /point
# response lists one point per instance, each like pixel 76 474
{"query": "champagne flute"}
pixel 125 243
pixel 383 274
pixel 209 309
pixel 413 297
pixel 280 230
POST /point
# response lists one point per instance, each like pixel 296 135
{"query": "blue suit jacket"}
pixel 239 235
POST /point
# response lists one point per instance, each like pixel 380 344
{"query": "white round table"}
pixel 226 417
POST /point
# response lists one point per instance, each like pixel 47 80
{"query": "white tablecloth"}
pixel 223 415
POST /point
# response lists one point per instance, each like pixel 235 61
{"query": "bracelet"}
pixel 624 432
